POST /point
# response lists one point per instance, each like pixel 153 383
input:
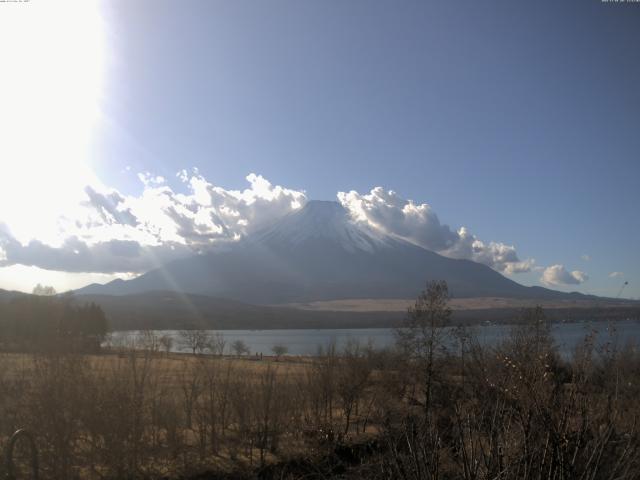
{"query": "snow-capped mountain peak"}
pixel 320 253
pixel 323 221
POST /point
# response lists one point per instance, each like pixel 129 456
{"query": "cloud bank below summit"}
pixel 117 233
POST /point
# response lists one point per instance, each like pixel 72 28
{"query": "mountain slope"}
pixel 172 310
pixel 6 295
pixel 318 253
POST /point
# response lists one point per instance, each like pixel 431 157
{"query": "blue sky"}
pixel 517 120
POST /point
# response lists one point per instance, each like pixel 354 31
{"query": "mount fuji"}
pixel 318 253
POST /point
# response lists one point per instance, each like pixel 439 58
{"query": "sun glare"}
pixel 51 80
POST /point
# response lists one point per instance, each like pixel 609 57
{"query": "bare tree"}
pixel 195 340
pixel 191 387
pixel 320 382
pixel 166 341
pixel 44 290
pixel 217 343
pixel 422 332
pixel 240 347
pixel 148 341
pixel 352 379
pixel 279 349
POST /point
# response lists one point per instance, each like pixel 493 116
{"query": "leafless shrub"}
pixel 352 380
pixel 279 350
pixel 166 343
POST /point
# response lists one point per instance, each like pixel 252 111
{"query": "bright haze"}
pixel 133 134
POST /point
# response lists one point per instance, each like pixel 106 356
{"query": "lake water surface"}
pixel 307 342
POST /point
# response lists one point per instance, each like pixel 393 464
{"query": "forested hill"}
pixel 31 322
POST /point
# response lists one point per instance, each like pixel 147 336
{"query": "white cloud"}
pixel 586 258
pixel 616 274
pixel 76 255
pixel 150 180
pixel 110 207
pixel 112 233
pixel 419 224
pixel 23 278
pixel 115 233
pixel 387 211
pixel 559 275
pixel 496 255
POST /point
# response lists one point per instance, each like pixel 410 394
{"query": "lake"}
pixel 307 342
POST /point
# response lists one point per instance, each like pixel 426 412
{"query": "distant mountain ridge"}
pixel 318 253
pixel 161 310
pixel 6 295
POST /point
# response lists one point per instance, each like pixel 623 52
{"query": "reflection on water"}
pixel 307 342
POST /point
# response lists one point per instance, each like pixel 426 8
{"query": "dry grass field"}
pixel 169 415
pixel 508 411
pixel 481 303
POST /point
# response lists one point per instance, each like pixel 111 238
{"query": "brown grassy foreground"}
pixel 513 411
